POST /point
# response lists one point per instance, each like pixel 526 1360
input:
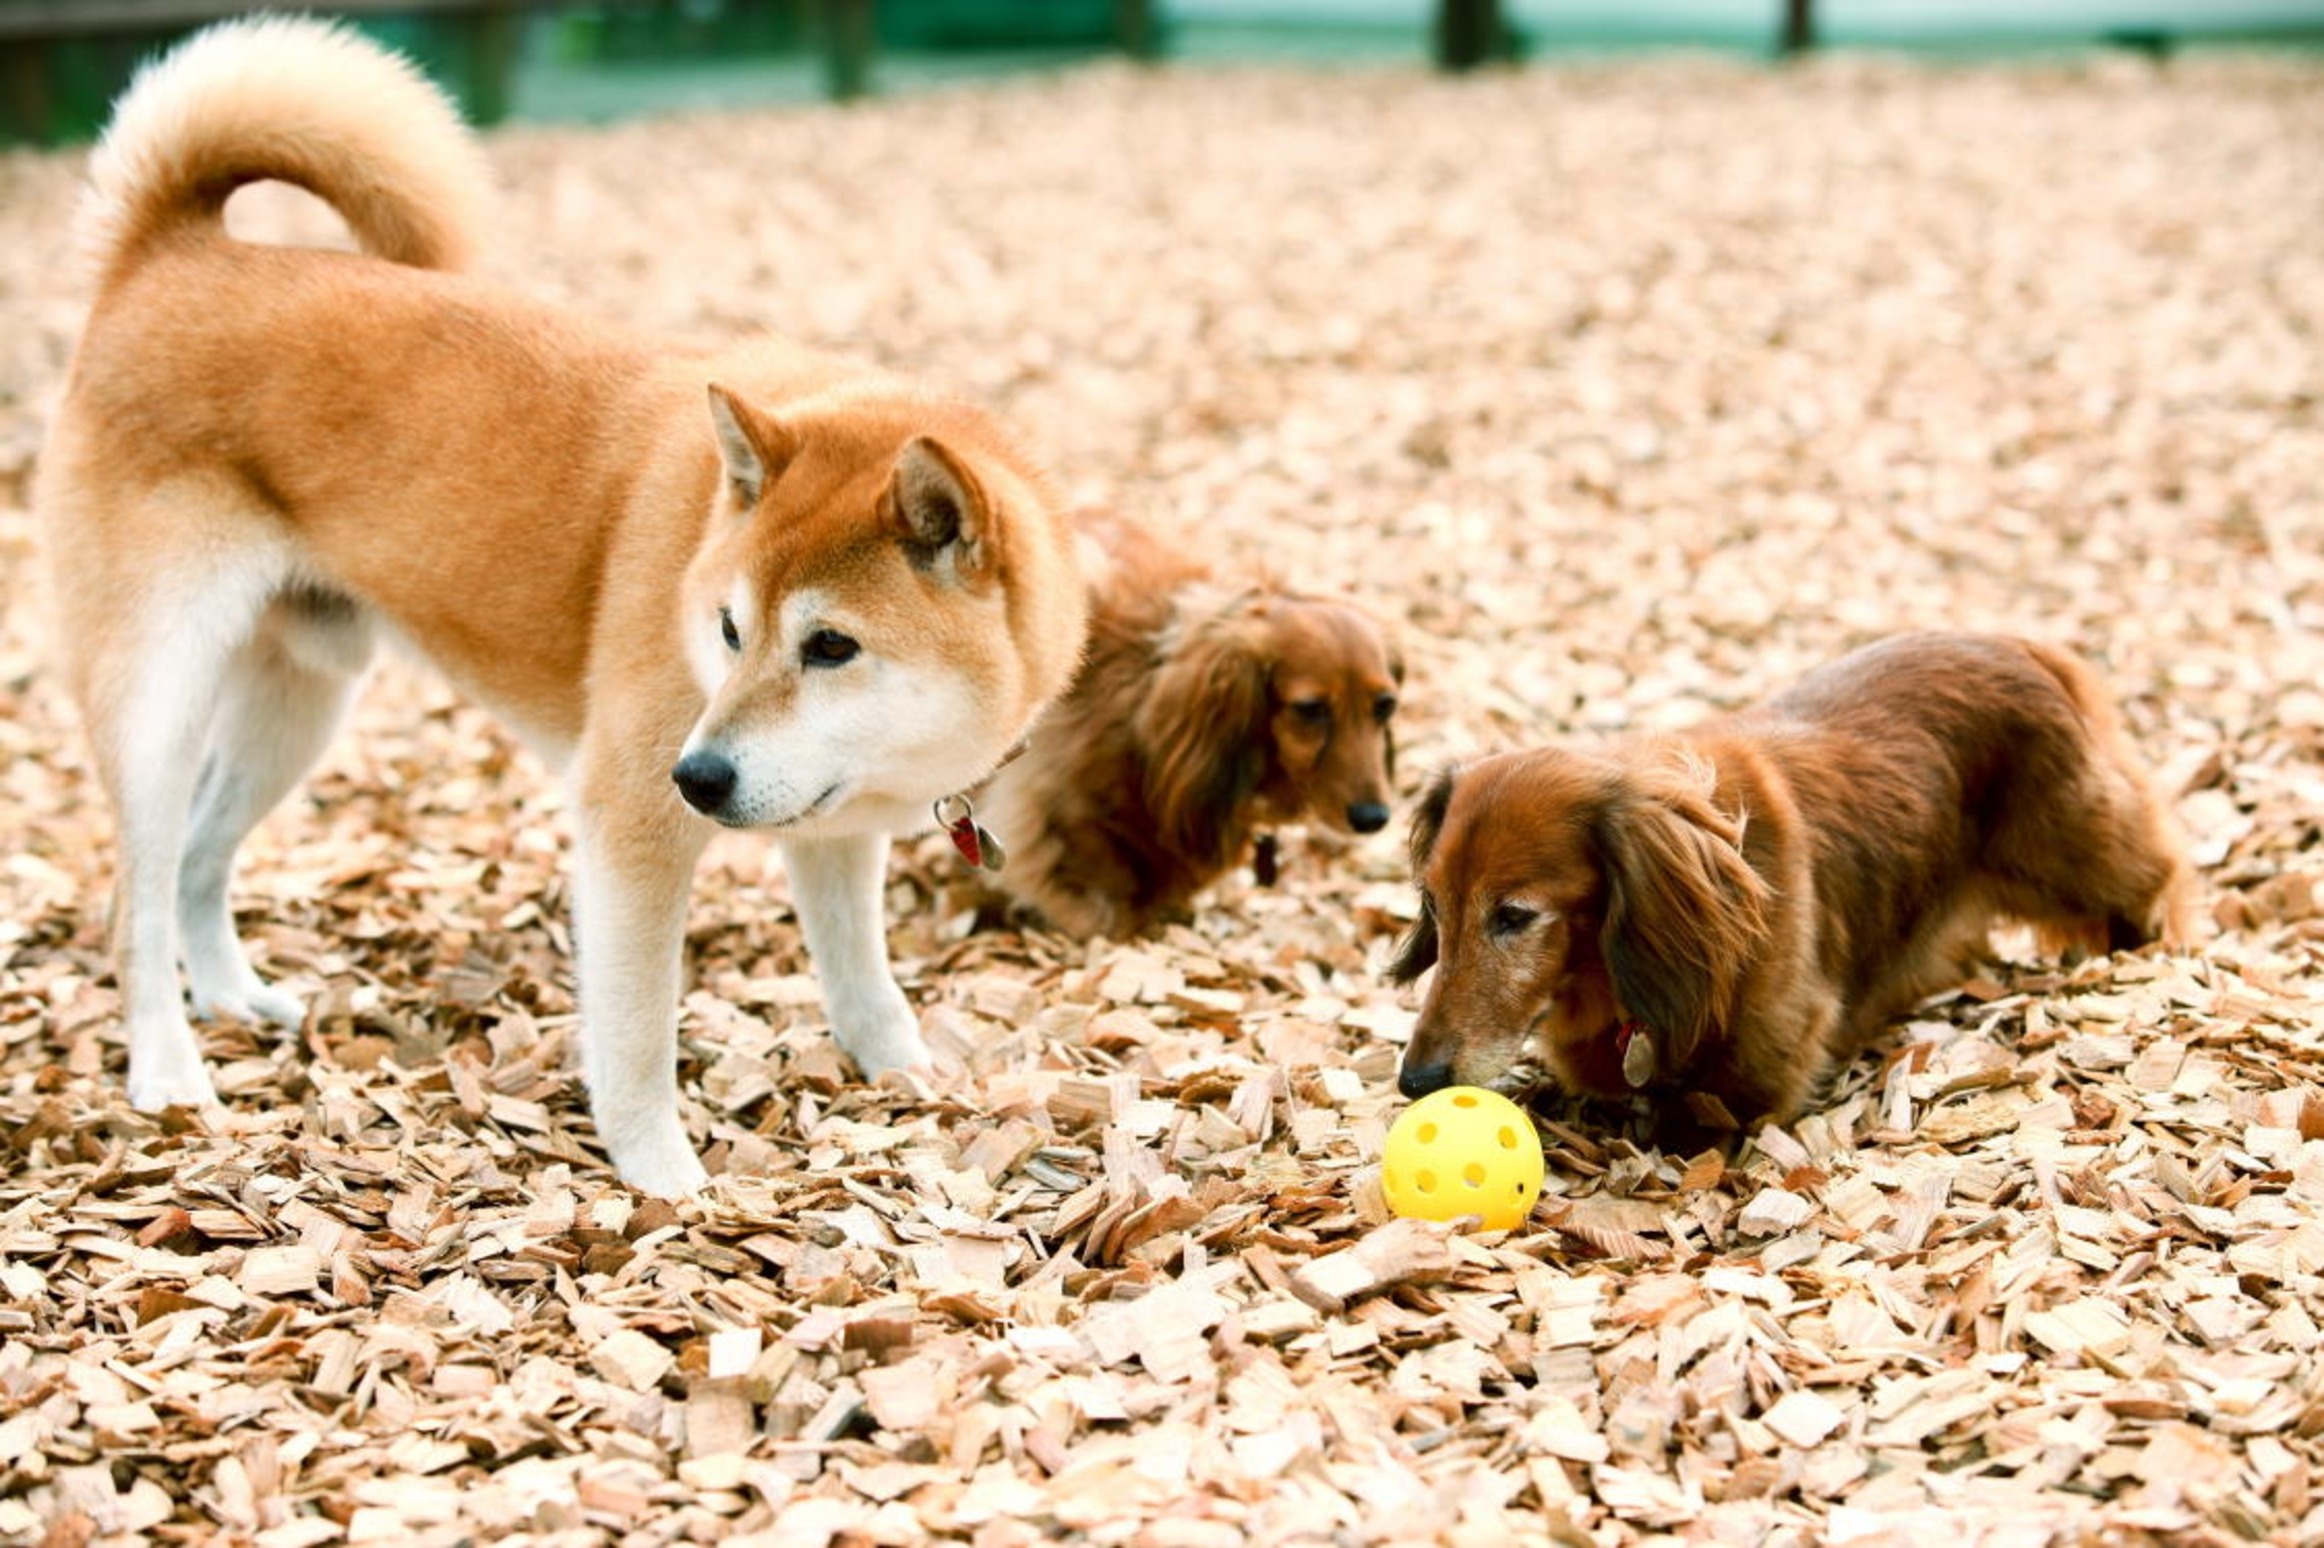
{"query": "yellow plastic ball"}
pixel 1463 1151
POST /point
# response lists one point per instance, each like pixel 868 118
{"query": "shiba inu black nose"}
pixel 1418 1080
pixel 1367 816
pixel 705 779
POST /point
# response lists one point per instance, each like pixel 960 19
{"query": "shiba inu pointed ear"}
pixel 939 510
pixel 754 448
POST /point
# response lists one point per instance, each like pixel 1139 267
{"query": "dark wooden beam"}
pixel 850 35
pixel 1469 33
pixel 1799 26
pixel 1137 30
pixel 92 18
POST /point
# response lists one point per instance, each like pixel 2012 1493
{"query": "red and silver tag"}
pixel 1637 1053
pixel 975 842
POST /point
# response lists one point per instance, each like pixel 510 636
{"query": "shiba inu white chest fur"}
pixel 759 586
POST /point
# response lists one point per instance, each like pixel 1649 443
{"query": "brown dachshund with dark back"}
pixel 1204 712
pixel 1735 911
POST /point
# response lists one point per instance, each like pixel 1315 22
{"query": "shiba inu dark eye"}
pixel 1510 919
pixel 1316 712
pixel 727 631
pixel 828 648
pixel 1383 707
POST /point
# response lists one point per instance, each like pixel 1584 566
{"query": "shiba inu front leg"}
pixel 629 925
pixel 838 884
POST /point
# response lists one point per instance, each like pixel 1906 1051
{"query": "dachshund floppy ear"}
pixel 1416 954
pixel 1684 909
pixel 1202 730
pixel 1388 730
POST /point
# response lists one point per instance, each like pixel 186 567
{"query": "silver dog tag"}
pixel 973 839
pixel 1637 1055
pixel 994 856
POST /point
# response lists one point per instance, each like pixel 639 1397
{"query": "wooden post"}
pixel 491 35
pixel 1134 27
pixel 1469 33
pixel 1799 26
pixel 28 106
pixel 850 32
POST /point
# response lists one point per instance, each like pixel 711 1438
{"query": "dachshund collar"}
pixel 1634 1041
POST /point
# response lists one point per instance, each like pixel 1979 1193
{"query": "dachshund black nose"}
pixel 1367 816
pixel 1418 1080
pixel 705 779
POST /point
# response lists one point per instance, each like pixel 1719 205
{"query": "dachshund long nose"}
pixel 1418 1080
pixel 1367 816
pixel 705 779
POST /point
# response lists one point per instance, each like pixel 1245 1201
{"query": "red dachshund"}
pixel 1735 911
pixel 1203 713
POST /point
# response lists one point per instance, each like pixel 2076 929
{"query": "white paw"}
pixel 662 1163
pixel 883 1037
pixel 168 1072
pixel 254 1001
pixel 647 1144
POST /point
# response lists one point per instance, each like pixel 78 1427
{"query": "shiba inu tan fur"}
pixel 756 586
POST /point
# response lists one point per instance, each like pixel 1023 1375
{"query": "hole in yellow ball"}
pixel 1425 1181
pixel 1474 1174
pixel 1508 1138
pixel 1425 1134
pixel 1464 1100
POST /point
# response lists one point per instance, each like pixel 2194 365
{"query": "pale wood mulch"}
pixel 1631 392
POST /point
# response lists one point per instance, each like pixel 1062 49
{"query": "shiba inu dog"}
pixel 757 587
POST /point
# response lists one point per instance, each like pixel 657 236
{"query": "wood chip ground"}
pixel 1631 392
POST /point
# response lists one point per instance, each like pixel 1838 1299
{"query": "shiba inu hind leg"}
pixel 282 695
pixel 159 690
pixel 629 923
pixel 839 886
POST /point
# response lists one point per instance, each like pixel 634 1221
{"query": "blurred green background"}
pixel 62 61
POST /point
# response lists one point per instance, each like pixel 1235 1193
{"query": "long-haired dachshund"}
pixel 1734 911
pixel 1204 712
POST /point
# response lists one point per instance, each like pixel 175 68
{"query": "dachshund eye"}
pixel 828 648
pixel 727 631
pixel 1511 919
pixel 1383 707
pixel 1314 712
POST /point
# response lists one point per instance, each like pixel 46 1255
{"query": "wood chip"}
pixel 630 1359
pixel 1804 1418
pixel 1396 1253
pixel 268 1271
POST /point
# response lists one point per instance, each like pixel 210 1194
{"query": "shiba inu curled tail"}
pixel 755 587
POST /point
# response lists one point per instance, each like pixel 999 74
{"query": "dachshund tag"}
pixel 975 842
pixel 1637 1054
